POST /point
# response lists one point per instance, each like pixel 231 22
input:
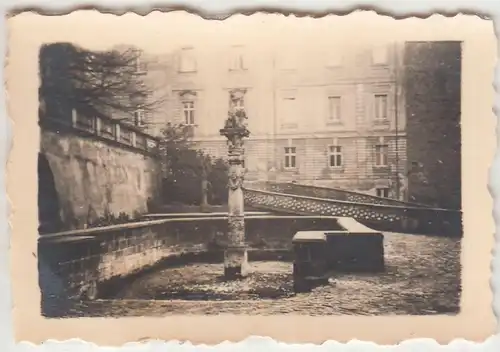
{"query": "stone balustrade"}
pixel 408 219
pixel 329 193
pixel 106 129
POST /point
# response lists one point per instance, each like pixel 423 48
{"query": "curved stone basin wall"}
pixel 84 258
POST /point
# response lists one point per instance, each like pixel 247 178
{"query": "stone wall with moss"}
pixel 94 179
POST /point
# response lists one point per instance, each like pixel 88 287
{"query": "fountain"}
pixel 235 254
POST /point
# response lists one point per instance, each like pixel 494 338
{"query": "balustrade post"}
pixel 97 126
pixel 133 138
pixel 74 118
pixel 117 132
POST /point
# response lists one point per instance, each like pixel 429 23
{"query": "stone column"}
pixel 235 255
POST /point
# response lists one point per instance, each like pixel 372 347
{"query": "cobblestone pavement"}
pixel 422 277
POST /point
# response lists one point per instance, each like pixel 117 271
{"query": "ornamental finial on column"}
pixel 235 129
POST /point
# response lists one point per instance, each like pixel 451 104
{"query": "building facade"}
pixel 324 116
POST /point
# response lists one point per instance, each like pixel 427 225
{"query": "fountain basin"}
pixel 100 259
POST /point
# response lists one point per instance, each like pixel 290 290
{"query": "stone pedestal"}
pixel 235 263
pixel 235 256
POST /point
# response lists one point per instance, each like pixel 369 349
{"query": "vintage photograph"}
pixel 179 177
pixel 291 175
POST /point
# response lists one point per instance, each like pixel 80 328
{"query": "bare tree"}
pixel 95 82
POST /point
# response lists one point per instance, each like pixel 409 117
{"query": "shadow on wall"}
pixel 55 212
pixel 49 209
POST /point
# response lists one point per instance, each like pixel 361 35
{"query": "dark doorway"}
pixel 49 217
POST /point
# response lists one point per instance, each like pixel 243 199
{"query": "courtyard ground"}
pixel 422 277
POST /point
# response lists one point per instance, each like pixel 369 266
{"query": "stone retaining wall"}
pixel 92 179
pixel 88 259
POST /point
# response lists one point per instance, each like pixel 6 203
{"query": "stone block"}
pixel 355 248
pixel 355 252
pixel 236 263
pixel 309 266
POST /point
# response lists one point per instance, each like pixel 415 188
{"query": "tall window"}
pixel 334 59
pixel 188 110
pixel 335 156
pixel 290 157
pixel 139 117
pixel 236 59
pixel 379 55
pixel 237 101
pixel 383 192
pixel 289 113
pixel 381 107
pixel 334 109
pixel 287 60
pixel 381 154
pixel 187 60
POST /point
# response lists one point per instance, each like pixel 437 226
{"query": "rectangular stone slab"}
pixel 309 236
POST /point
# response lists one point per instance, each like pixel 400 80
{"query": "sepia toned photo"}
pixel 253 168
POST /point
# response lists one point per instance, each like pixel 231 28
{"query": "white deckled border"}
pixel 249 344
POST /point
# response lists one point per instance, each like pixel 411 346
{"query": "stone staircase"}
pixel 379 213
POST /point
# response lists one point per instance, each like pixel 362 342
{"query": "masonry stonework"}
pixel 93 178
pixel 85 262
